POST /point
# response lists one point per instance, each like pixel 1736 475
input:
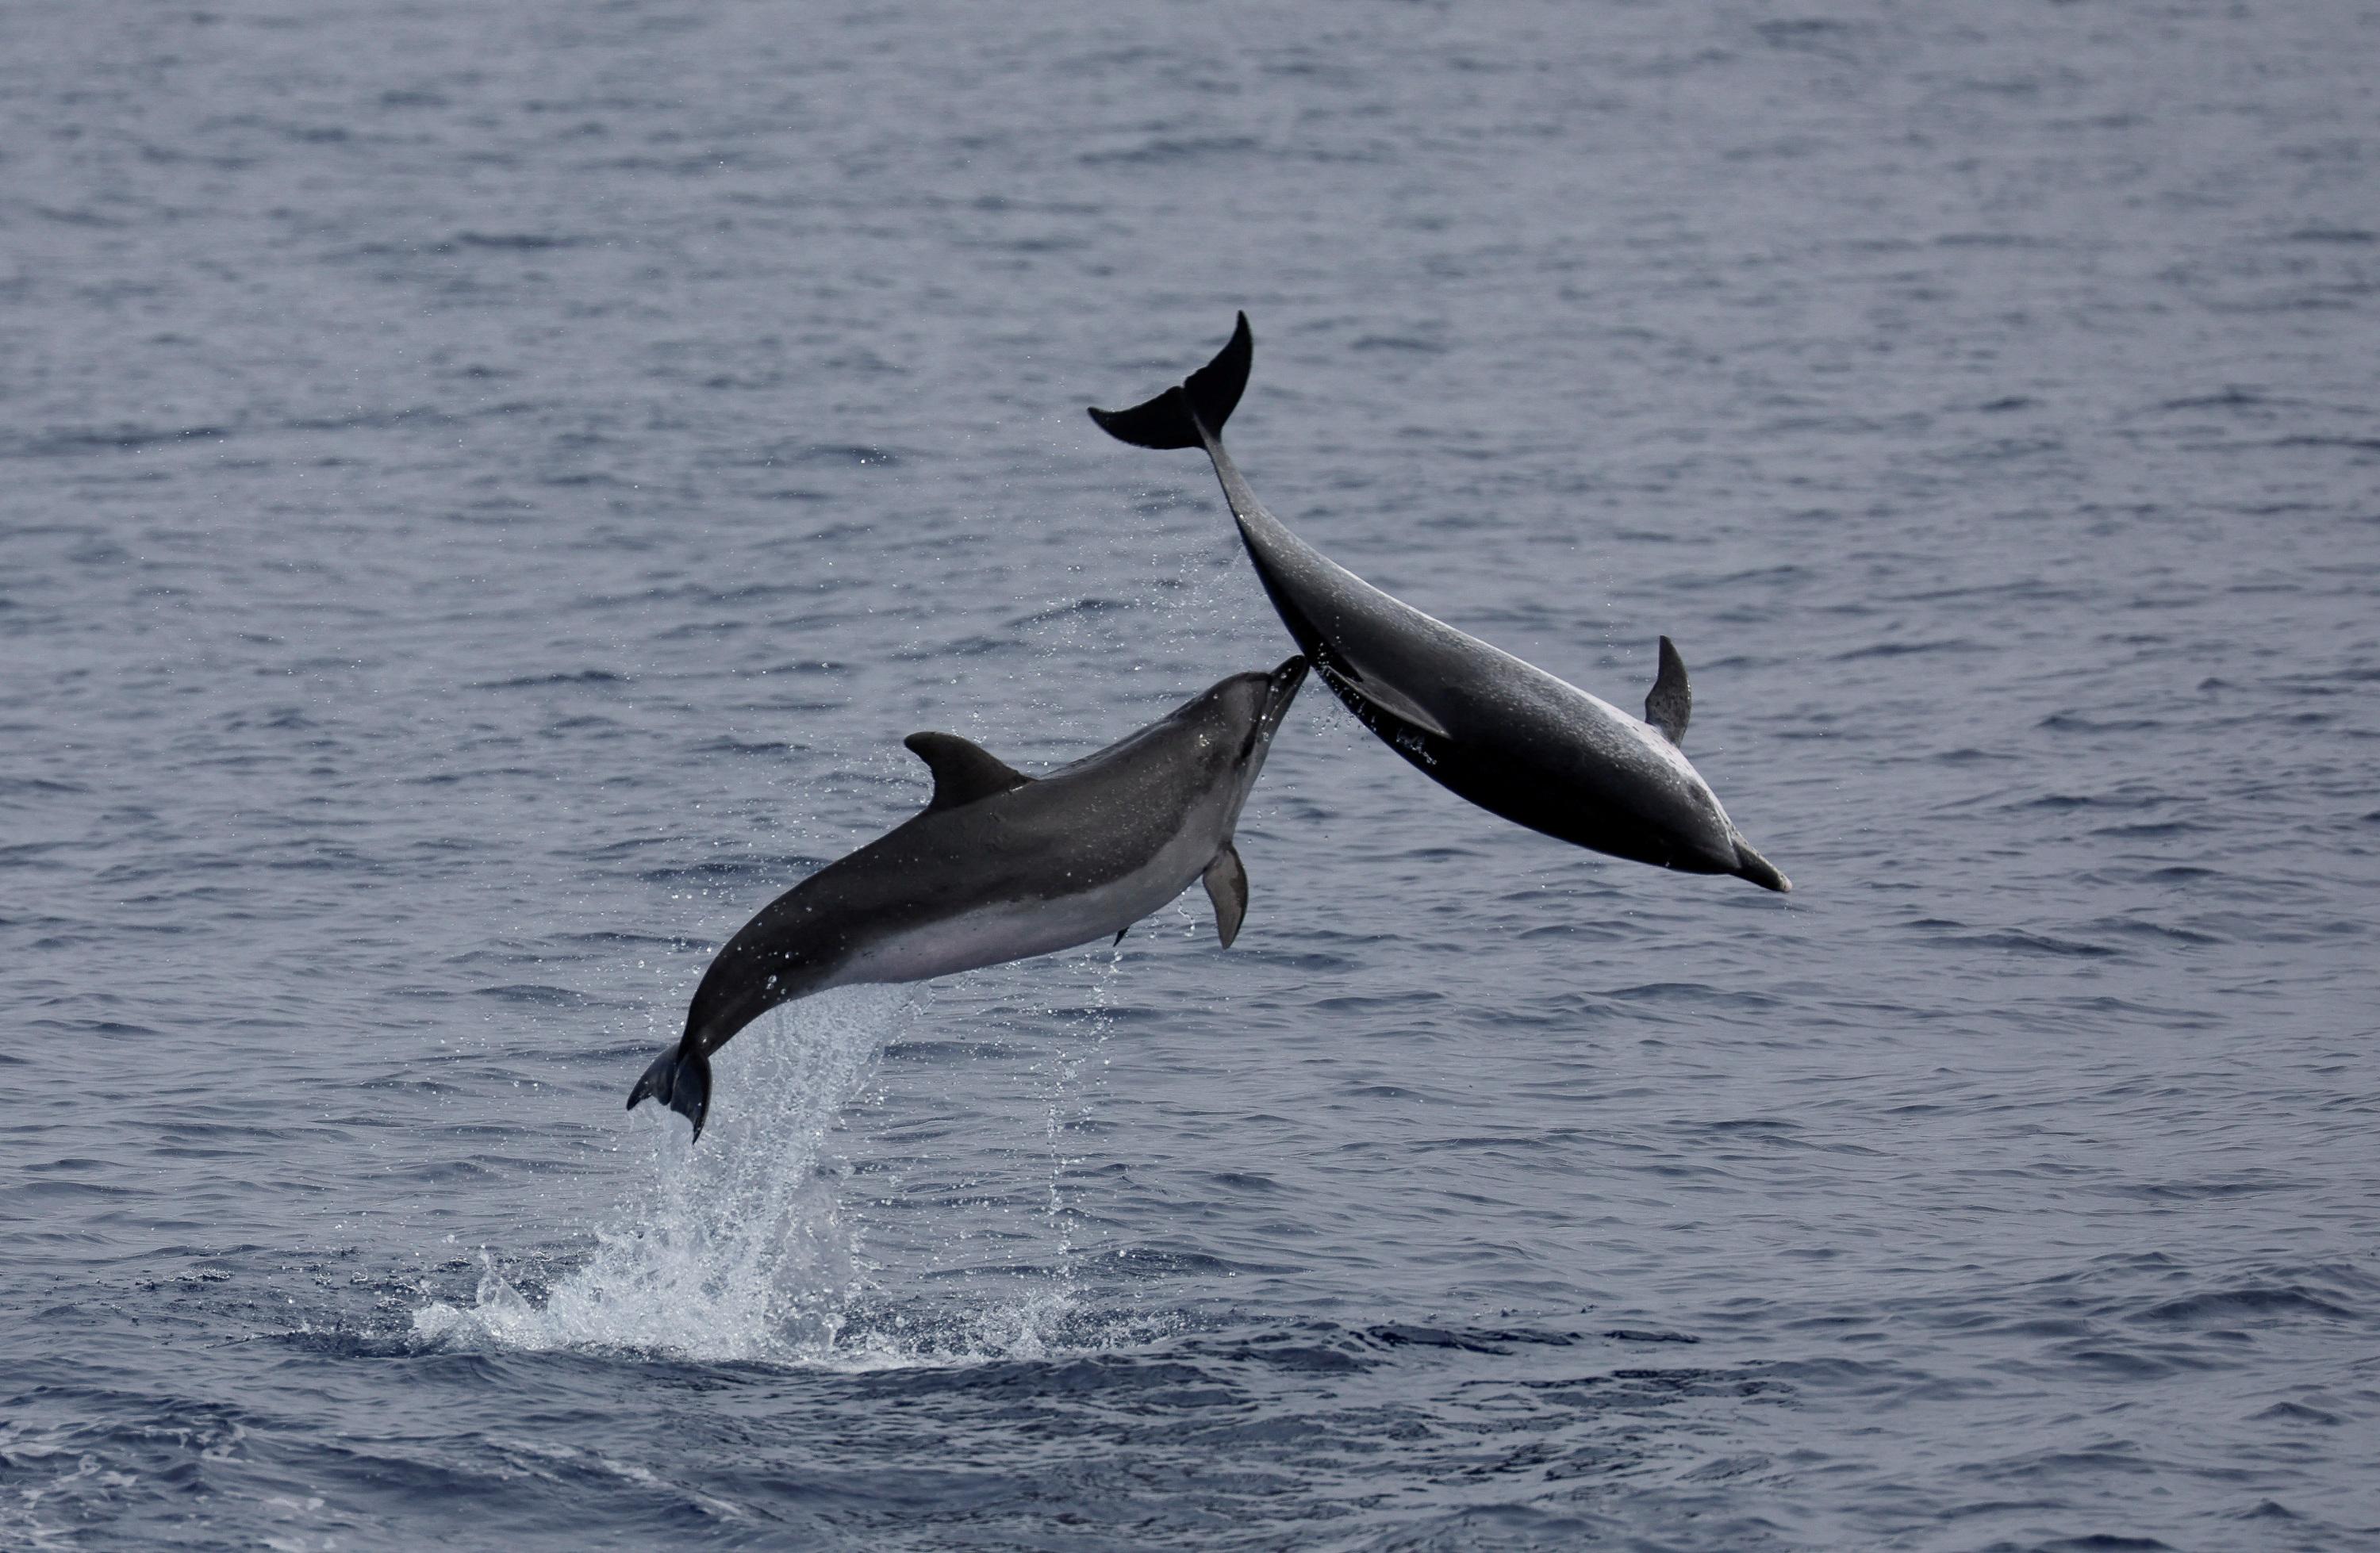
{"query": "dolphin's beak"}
pixel 1280 691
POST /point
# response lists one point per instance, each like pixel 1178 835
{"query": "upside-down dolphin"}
pixel 1503 734
pixel 998 866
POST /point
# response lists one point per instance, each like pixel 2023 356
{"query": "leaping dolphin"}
pixel 999 867
pixel 1503 734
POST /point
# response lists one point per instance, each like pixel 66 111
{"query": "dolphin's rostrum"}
pixel 1503 734
pixel 998 866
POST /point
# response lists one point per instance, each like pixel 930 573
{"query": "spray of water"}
pixel 743 1248
pixel 1070 1103
pixel 738 1249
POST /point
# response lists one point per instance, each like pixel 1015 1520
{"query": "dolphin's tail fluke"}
pixel 1173 417
pixel 1758 870
pixel 680 1079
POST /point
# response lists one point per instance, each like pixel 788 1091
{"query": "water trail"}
pixel 739 1250
pixel 1070 1113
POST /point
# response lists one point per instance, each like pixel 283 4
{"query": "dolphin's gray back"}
pixel 1046 865
pixel 1082 828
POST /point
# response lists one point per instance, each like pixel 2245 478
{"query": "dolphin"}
pixel 1505 734
pixel 998 866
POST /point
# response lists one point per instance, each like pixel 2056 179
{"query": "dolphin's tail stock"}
pixel 1174 418
pixel 680 1079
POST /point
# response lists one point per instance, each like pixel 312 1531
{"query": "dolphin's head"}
pixel 1249 706
pixel 1236 718
pixel 1280 688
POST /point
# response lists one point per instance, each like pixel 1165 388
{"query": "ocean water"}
pixel 487 488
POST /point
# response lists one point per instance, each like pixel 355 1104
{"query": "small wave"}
pixel 533 992
pixel 514 242
pixel 2017 942
pixel 853 455
pixel 2249 1302
pixel 1907 650
pixel 1174 150
pixel 2297 1413
pixel 531 682
pixel 2353 444
pixel 1398 1334
pixel 125 438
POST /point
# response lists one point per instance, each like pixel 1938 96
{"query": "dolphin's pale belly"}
pixel 997 931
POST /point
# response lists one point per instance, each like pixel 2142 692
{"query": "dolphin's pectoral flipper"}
pixel 1758 870
pixel 1173 417
pixel 964 772
pixel 1672 700
pixel 680 1079
pixel 1227 886
pixel 1361 694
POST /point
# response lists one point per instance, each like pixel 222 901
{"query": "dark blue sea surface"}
pixel 484 490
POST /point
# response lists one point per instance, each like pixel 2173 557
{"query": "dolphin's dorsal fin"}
pixel 1672 700
pixel 964 772
pixel 1227 886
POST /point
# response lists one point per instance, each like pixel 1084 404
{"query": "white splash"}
pixel 743 1248
pixel 741 1251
